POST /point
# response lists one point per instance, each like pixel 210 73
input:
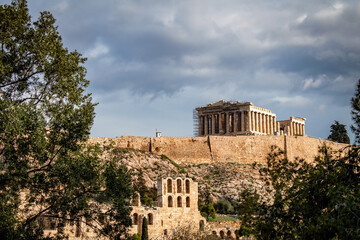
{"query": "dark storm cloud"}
pixel 294 57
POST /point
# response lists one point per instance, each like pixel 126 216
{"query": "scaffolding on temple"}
pixel 195 123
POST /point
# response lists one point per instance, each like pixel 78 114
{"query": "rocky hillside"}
pixel 221 180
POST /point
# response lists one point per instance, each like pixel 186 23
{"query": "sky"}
pixel 150 63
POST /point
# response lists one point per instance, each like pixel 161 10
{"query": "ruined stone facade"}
pixel 237 118
pixel 176 207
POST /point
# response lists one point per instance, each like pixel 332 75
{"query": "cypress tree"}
pixel 339 133
pixel 144 235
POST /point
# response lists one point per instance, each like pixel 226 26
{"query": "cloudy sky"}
pixel 151 63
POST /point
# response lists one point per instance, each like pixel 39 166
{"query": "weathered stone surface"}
pixel 212 149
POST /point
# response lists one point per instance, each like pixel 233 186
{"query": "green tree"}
pixel 207 210
pixel 46 165
pixel 355 113
pixel 144 232
pixel 338 133
pixel 223 206
pixel 316 200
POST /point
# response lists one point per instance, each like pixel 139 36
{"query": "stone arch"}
pixel 222 234
pixel 228 234
pixel 135 219
pixel 179 202
pixel 236 232
pixel 179 185
pixel 187 201
pixel 201 225
pixel 214 233
pixel 170 201
pixel 169 185
pixel 150 219
pixel 187 185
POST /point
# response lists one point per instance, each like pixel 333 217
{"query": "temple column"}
pixel 298 128
pixel 213 124
pixel 253 121
pixel 248 121
pixel 256 119
pixel 271 132
pixel 235 116
pixel 238 126
pixel 303 129
pixel 262 123
pixel 288 130
pixel 242 121
pixel 275 125
pixel 221 131
pixel 233 121
pixel 199 126
pixel 227 122
pixel 267 124
pixel 206 119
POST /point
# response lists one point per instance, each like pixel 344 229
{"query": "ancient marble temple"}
pixel 243 118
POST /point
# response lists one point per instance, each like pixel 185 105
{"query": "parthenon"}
pixel 243 118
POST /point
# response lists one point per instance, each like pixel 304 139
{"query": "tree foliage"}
pixel 338 133
pixel 223 206
pixel 207 210
pixel 316 200
pixel 46 165
pixel 355 113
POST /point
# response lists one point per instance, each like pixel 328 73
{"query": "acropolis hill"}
pixel 231 132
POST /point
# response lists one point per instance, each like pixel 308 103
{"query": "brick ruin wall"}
pixel 239 149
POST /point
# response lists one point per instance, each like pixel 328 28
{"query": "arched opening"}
pixel 201 225
pixel 214 233
pixel 187 201
pixel 165 232
pixel 150 219
pixel 135 219
pixel 179 202
pixel 236 235
pixel 170 201
pixel 178 184
pixel 187 183
pixel 228 234
pixel 222 234
pixel 169 185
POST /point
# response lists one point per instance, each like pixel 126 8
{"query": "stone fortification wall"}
pixel 240 149
pixel 243 149
pixel 183 150
pixel 308 147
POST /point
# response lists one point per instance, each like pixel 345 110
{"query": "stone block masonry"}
pixel 209 149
